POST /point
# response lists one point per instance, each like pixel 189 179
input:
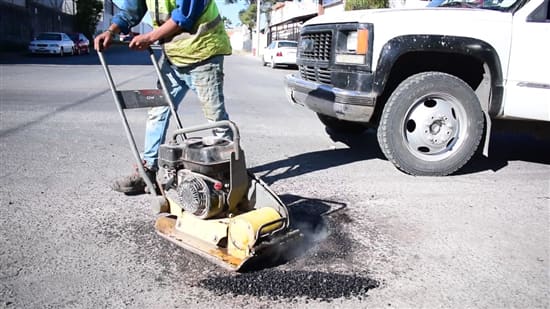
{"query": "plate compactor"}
pixel 207 202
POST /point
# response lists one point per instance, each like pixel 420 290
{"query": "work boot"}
pixel 134 184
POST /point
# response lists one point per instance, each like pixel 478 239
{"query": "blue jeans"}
pixel 206 80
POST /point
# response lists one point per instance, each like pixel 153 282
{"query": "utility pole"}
pixel 258 4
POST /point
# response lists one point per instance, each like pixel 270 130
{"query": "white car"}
pixel 57 43
pixel 280 52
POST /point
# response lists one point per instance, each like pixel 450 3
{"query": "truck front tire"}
pixel 431 125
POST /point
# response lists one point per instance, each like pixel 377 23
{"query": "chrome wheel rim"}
pixel 435 126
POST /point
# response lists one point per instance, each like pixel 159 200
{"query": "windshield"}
pixel 49 37
pixel 288 44
pixel 500 5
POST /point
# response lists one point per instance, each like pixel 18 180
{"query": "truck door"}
pixel 528 83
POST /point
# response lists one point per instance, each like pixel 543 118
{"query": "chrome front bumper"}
pixel 324 99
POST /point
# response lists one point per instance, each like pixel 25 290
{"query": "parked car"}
pixel 280 52
pixel 81 42
pixel 52 43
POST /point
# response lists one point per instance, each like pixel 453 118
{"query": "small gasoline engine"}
pixel 197 172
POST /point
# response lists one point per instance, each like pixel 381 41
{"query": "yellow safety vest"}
pixel 206 39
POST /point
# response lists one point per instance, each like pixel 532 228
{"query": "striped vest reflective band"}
pixel 207 38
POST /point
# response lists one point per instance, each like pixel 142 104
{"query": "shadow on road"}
pixel 510 141
pixel 361 147
pixel 282 67
pixel 513 141
pixel 115 55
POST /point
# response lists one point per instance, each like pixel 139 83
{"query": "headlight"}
pixel 356 47
pixel 54 45
pixel 351 42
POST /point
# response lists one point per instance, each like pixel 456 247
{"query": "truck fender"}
pixel 491 88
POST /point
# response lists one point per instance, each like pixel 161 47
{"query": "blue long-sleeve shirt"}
pixel 185 15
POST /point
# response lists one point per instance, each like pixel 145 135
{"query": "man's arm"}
pixel 130 14
pixel 167 30
pixel 183 19
pixel 187 12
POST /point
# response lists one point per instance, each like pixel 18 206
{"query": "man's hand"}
pixel 103 40
pixel 167 30
pixel 142 41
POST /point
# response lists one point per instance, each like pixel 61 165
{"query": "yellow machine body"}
pixel 244 230
pixel 229 241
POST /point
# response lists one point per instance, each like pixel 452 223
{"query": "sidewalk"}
pixel 243 53
pixel 118 52
pixel 7 57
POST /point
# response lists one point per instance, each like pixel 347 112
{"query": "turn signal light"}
pixel 362 42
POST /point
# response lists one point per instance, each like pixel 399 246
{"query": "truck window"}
pixel 540 14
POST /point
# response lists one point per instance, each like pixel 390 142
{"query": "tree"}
pixel 365 4
pixel 88 13
pixel 226 21
pixel 248 17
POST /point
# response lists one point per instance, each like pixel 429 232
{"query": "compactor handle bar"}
pixel 120 108
pixel 154 61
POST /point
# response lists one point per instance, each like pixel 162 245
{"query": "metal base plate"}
pixel 166 227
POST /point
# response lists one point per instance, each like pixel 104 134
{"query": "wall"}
pixel 338 5
pixel 109 9
pixel 15 2
pixel 19 24
pixel 239 38
pixel 292 9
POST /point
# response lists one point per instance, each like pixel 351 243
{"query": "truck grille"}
pixel 318 45
pixel 322 42
pixel 321 75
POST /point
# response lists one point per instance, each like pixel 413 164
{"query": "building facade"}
pixel 287 18
pixel 110 9
pixel 21 20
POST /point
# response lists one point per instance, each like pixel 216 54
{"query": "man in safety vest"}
pixel 194 44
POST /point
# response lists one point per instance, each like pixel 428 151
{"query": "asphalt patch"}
pixel 325 243
pixel 288 285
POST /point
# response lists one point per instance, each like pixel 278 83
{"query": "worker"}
pixel 194 42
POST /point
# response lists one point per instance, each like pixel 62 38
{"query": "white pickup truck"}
pixel 430 79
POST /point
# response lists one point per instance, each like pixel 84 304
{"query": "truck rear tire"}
pixel 431 125
pixel 335 125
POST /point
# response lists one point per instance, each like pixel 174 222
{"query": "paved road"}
pixel 375 237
